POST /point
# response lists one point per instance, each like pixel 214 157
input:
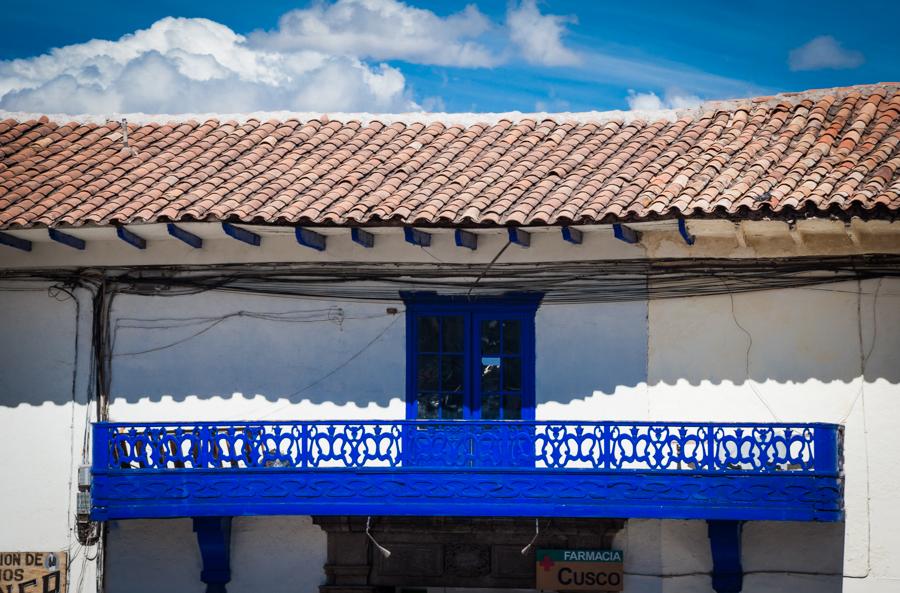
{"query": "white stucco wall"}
pixel 43 416
pixel 681 359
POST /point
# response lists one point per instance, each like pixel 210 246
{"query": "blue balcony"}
pixel 672 470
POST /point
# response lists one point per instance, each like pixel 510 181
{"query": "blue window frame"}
pixel 470 359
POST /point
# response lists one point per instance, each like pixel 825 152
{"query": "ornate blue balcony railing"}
pixel 472 468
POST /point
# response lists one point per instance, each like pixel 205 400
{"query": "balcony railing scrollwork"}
pixel 628 469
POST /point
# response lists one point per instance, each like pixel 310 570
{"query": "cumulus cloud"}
pixel 672 99
pixel 539 36
pixel 823 52
pixel 383 30
pixel 196 65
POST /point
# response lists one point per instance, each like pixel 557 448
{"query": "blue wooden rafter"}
pixel 466 239
pixel 361 237
pixel 131 238
pixel 67 239
pixel 572 235
pixel 685 234
pixel 310 239
pixel 625 233
pixel 241 234
pixel 15 242
pixel 185 236
pixel 519 236
pixel 417 237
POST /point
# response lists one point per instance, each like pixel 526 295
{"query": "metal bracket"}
pixel 725 545
pixel 214 539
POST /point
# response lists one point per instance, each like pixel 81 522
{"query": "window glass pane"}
pixel 512 336
pixel 512 374
pixel 453 406
pixel 490 407
pixel 512 407
pixel 490 337
pixel 428 372
pixel 427 405
pixel 453 331
pixel 490 374
pixel 452 373
pixel 428 334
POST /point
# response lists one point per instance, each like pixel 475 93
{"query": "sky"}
pixel 333 56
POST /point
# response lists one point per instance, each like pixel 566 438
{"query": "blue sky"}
pixel 387 55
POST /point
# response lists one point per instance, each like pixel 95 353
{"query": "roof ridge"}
pixel 465 119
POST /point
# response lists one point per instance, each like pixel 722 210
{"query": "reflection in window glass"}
pixel 427 406
pixel 490 407
pixel 453 334
pixel 490 337
pixel 452 406
pixel 452 374
pixel 429 330
pixel 490 375
pixel 512 374
pixel 428 379
pixel 512 336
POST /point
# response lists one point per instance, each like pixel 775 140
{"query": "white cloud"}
pixel 195 65
pixel 823 52
pixel 539 36
pixel 672 99
pixel 383 30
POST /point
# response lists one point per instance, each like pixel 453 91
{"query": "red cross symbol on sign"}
pixel 546 563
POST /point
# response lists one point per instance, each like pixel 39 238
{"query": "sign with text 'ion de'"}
pixel 33 572
pixel 580 570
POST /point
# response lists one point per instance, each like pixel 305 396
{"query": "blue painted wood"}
pixel 364 238
pixel 725 544
pixel 131 238
pixel 16 242
pixel 466 239
pixel 627 234
pixel 241 234
pixel 183 235
pixel 66 239
pixel 518 306
pixel 214 539
pixel 683 231
pixel 310 239
pixel 572 235
pixel 519 237
pixel 417 237
pixel 665 470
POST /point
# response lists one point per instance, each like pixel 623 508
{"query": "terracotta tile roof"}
pixel 828 151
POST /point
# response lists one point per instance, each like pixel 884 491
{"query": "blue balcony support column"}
pixel 214 539
pixel 725 544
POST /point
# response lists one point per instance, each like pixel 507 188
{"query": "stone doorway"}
pixel 452 554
